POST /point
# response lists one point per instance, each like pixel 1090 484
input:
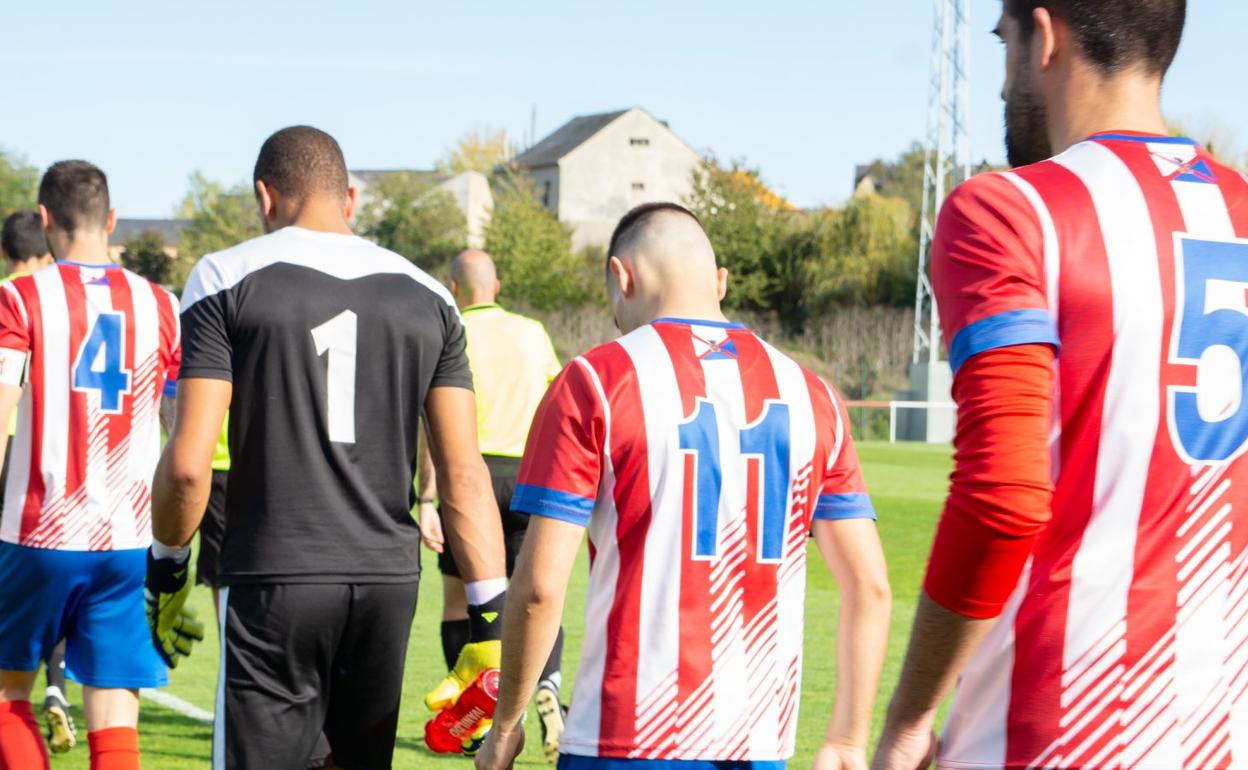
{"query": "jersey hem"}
pixel 136 545
pixel 723 753
pixel 949 764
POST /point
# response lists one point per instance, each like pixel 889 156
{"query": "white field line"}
pixel 174 703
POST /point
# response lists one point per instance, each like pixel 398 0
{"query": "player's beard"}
pixel 1026 125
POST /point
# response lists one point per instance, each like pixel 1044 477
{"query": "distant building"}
pixel 169 230
pixel 594 168
pixel 470 189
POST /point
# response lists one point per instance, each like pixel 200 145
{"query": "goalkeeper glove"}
pixel 484 650
pixel 173 625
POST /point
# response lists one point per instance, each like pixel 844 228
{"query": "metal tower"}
pixel 948 152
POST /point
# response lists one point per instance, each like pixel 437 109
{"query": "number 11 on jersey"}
pixel 338 337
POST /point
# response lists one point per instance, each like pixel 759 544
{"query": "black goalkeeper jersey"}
pixel 332 344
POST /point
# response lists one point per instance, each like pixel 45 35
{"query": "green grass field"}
pixel 907 483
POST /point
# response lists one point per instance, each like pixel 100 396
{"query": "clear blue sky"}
pixel 802 89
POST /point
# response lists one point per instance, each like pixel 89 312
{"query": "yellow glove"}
pixel 473 659
pixel 472 744
pixel 173 625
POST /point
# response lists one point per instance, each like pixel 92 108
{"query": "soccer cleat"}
pixel 62 735
pixel 551 716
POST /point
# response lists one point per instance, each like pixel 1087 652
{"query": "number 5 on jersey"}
pixel 100 364
pixel 338 337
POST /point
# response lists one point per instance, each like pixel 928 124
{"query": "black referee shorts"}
pixel 212 534
pixel 299 659
pixel 503 472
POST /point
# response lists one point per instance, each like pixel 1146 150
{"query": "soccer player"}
pixel 325 349
pixel 700 459
pixel 88 349
pixel 1090 572
pixel 25 250
pixel 513 362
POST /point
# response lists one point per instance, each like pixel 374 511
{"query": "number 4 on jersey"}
pixel 100 365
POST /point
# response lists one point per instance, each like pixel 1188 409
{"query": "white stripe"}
pixel 585 715
pixel 55 430
pixel 1103 568
pixel 218 724
pixel 659 634
pixel 176 704
pixel 145 422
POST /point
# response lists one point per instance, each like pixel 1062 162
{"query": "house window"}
pixel 639 186
pixel 637 141
pixel 546 194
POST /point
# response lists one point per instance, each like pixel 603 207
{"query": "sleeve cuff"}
pixel 205 373
pixel 454 381
pixel 974 568
pixel 171 389
pixel 1015 327
pixel 552 504
pixel 846 506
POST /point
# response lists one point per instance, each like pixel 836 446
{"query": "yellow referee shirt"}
pixel 512 360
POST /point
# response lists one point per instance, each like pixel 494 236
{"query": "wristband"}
pixel 162 551
pixel 425 501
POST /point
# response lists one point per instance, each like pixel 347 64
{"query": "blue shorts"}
pixel 92 600
pixel 573 762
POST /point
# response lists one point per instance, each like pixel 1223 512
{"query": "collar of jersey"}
pixel 695 322
pixel 482 306
pixel 1136 136
pixel 84 266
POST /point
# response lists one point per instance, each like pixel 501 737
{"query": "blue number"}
pixel 1213 294
pixel 767 439
pixel 700 436
pixel 100 363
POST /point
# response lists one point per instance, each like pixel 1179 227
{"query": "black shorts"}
pixel 212 534
pixel 301 658
pixel 503 472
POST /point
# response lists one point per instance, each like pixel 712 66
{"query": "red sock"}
pixel 116 748
pixel 21 742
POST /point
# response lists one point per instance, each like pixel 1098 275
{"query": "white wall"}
pixel 596 180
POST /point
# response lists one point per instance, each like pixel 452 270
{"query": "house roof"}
pixel 167 229
pixel 370 175
pixel 565 139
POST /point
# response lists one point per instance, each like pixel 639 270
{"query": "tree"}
pixel 746 222
pixel 483 150
pixel 19 184
pixel 218 219
pixel 408 215
pixel 533 251
pixel 146 255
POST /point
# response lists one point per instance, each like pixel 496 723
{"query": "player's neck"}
pixel 82 250
pixel 692 311
pixel 317 215
pixel 1129 102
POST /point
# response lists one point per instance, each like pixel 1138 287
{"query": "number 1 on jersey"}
pixel 338 337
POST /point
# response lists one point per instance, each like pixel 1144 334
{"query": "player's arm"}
pixel 851 549
pixel 427 492
pixel 10 395
pixel 991 290
pixel 183 478
pixel 14 355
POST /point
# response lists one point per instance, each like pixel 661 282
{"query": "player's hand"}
pixel 173 625
pixel 835 757
pixel 431 528
pixel 902 749
pixel 484 651
pixel 501 749
pixel 473 659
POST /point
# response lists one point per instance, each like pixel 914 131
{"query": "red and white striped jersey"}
pixel 697 456
pixel 100 344
pixel 1125 643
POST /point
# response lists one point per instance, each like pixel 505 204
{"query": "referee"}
pixel 325 349
pixel 513 362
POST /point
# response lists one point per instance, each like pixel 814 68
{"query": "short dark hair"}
pixel 22 237
pixel 75 193
pixel 635 218
pixel 1115 34
pixel 299 161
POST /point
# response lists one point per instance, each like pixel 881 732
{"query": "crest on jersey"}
pixel 1179 166
pixel 714 349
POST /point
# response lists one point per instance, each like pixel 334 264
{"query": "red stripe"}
pixel 34 488
pixel 1085 326
pixel 696 662
pixel 170 344
pixel 632 499
pixel 76 303
pixel 119 425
